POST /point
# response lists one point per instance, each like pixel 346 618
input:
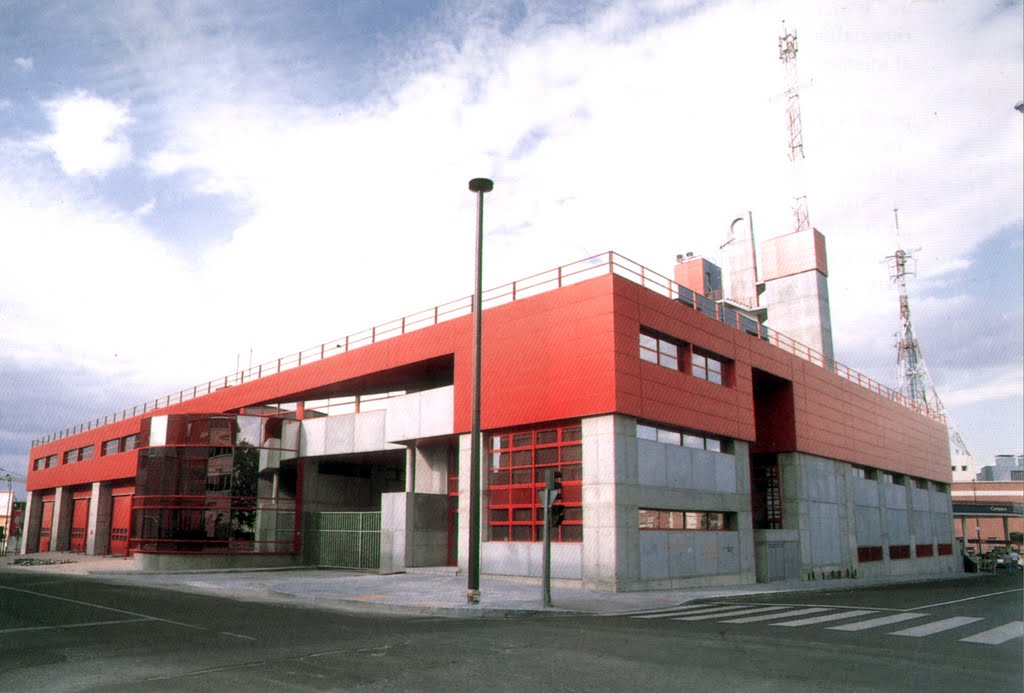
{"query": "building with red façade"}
pixel 697 446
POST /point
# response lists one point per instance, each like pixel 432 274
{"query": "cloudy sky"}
pixel 183 184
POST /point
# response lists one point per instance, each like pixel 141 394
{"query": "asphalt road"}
pixel 73 633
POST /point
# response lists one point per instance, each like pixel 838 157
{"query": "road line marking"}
pixel 639 612
pixel 997 636
pixel 769 617
pixel 936 626
pixel 878 622
pixel 705 610
pixel 100 606
pixel 825 619
pixel 73 625
pixel 236 635
pixel 968 599
pixel 755 610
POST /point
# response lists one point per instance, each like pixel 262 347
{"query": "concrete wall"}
pixel 97 540
pixel 414 531
pixel 835 513
pixel 524 559
pixel 622 474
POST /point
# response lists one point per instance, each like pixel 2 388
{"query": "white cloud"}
pixel 87 134
pixel 25 64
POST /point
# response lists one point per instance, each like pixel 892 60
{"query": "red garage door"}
pixel 120 523
pixel 45 526
pixel 79 521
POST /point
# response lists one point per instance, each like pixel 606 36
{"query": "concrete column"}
pixel 97 540
pixel 63 506
pixel 611 542
pixel 883 519
pixel 30 528
pixel 465 460
pixel 410 469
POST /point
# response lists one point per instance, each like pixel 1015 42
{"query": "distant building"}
pixel 989 509
pixel 697 446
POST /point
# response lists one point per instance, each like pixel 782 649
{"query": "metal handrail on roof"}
pixel 575 272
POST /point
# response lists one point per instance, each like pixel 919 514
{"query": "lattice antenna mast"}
pixel 912 378
pixel 787 54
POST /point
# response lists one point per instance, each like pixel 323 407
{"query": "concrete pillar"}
pixel 63 506
pixel 883 518
pixel 410 469
pixel 30 528
pixel 611 542
pixel 97 540
pixel 465 460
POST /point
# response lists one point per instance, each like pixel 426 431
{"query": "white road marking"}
pixel 236 635
pixel 878 622
pixel 100 606
pixel 825 619
pixel 997 636
pixel 769 617
pixel 968 599
pixel 73 625
pixel 640 612
pixel 936 627
pixel 755 610
pixel 707 609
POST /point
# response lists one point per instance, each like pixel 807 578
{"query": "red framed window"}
pixel 923 550
pixel 518 462
pixel 867 554
pixel 945 549
pixel 899 551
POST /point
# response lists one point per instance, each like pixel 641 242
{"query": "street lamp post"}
pixel 478 186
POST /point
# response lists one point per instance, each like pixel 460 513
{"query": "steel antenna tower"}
pixel 787 54
pixel 912 378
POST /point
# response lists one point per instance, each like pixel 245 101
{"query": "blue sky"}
pixel 185 182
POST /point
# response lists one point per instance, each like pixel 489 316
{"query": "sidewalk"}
pixel 423 591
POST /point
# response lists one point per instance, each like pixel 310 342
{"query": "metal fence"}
pixel 343 540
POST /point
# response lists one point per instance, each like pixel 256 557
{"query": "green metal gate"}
pixel 344 540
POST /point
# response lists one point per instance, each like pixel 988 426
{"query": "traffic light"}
pixel 556 515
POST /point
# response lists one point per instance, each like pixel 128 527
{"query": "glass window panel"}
pixel 499 442
pixel 547 455
pixel 715 378
pixel 158 431
pixel 111 447
pixel 547 437
pixel 677 519
pixel 667 348
pixel 713 444
pixel 646 432
pixel 716 521
pixel 668 362
pixel 221 430
pixel 522 476
pixel 572 453
pixel 70 456
pixel 574 433
pixel 87 452
pixel 647 518
pixel 693 520
pixel 520 440
pixel 574 513
pixel 498 477
pixel 572 533
pixel 522 458
pixel 648 355
pixel 572 472
pixel 130 442
pixel 648 342
pixel 521 533
pixel 668 437
pixel 249 431
pixel 698 360
pixel 522 514
pixel 500 515
pixel 692 441
pixel 499 533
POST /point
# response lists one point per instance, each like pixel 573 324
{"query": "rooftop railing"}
pixel 573 273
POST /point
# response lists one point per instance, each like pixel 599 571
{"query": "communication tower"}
pixel 912 378
pixel 787 54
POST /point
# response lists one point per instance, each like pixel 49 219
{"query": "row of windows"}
pixel 869 554
pixel 680 356
pixel 685 439
pixel 699 520
pixel 898 479
pixel 86 452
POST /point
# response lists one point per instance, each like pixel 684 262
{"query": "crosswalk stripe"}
pixel 768 617
pixel 997 636
pixel 936 627
pixel 743 612
pixel 878 622
pixel 640 612
pixel 718 609
pixel 826 618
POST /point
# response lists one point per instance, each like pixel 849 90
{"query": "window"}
pixel 70 456
pixel 686 439
pixel 660 350
pixel 519 461
pixel 110 447
pixel 859 472
pixel 130 442
pixel 86 452
pixel 706 366
pixel 685 520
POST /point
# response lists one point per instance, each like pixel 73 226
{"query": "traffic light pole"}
pixel 549 489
